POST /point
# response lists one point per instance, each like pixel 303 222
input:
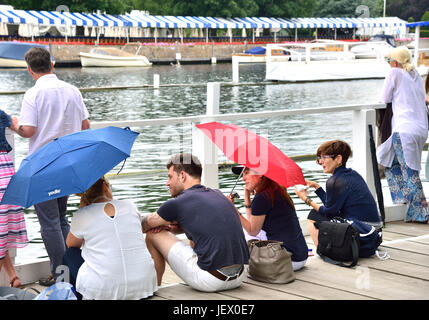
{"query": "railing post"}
pixel 202 146
pixel 416 46
pixel 235 70
pixel 361 148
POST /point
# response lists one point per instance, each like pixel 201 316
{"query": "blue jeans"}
pixel 73 260
pixel 405 185
pixel 54 228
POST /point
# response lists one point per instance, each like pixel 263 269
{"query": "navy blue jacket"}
pixel 347 195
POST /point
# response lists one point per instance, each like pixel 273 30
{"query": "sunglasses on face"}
pixel 324 157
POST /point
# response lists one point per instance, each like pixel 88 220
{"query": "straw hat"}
pixel 403 56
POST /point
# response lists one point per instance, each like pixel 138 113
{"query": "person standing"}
pixel 427 103
pixel 13 232
pixel 214 260
pixel 401 153
pixel 50 109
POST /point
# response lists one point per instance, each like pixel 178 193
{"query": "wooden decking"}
pixel 405 276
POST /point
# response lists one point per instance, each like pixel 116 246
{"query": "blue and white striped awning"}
pixel 138 19
pixel 418 24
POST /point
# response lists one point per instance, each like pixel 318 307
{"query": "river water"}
pixel 294 135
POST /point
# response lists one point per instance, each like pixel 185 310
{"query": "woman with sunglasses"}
pixel 114 263
pixel 347 194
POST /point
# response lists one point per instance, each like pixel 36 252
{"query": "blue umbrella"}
pixel 67 165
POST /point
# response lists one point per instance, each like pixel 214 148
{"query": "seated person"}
pixel 215 259
pixel 114 263
pixel 347 194
pixel 273 211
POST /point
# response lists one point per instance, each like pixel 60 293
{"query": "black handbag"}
pixel 338 242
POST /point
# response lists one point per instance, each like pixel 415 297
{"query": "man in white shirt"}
pixel 50 109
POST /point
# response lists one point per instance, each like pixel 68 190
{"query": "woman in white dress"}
pixel 401 152
pixel 114 263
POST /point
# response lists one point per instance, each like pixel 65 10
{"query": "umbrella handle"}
pixel 239 176
pixel 122 166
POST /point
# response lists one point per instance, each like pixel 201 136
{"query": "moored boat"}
pixel 305 63
pixel 112 57
pixel 12 53
pixel 256 55
pixel 378 45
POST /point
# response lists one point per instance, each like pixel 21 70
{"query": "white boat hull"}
pixel 96 60
pixel 295 71
pixel 12 63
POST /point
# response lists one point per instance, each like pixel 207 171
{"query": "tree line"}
pixel 405 9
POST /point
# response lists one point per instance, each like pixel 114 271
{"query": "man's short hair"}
pixel 39 60
pixel 186 162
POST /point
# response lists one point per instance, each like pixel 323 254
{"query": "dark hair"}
pixel 186 162
pixel 335 147
pixel 39 60
pixel 270 188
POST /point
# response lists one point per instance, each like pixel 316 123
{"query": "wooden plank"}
pixel 409 229
pixel 397 267
pixel 184 292
pixel 406 256
pixel 364 281
pixel 250 291
pixel 408 246
pixel 310 290
pixel 389 236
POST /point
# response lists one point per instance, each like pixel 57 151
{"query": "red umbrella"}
pixel 253 151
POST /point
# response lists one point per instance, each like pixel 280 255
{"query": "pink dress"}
pixel 13 233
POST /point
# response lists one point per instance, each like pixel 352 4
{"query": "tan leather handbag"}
pixel 269 262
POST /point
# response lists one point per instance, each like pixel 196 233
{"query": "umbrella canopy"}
pixel 70 164
pixel 253 151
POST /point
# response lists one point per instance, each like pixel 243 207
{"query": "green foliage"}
pixel 110 6
pixel 405 9
pixel 213 8
pixel 350 8
pixel 425 16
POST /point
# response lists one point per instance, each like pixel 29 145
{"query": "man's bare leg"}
pixel 159 245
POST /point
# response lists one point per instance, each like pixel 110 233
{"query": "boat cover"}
pixel 17 50
pixel 256 50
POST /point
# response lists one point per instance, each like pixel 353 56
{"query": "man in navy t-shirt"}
pixel 218 250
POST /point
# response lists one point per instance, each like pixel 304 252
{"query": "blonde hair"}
pixel 95 191
pixel 403 56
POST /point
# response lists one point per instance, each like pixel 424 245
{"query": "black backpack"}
pixel 338 242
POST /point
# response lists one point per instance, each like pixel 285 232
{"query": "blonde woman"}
pixel 401 153
pixel 114 263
